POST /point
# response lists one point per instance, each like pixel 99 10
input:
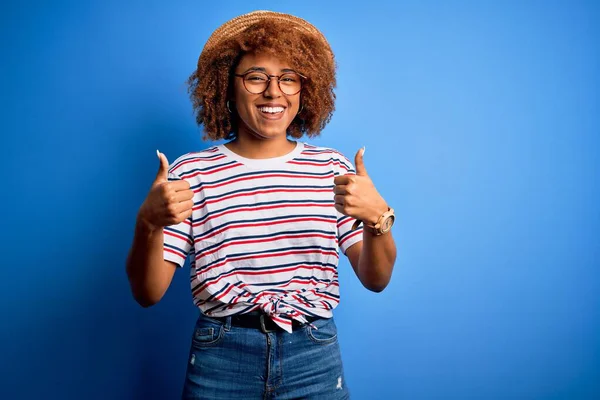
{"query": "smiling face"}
pixel 267 115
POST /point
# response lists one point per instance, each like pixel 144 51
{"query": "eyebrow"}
pixel 262 69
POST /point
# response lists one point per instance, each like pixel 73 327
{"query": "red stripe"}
pixel 356 233
pixel 187 239
pixel 263 176
pixel 284 321
pixel 336 301
pixel 212 171
pixel 312 281
pixel 219 297
pixel 302 301
pixel 255 257
pixel 271 239
pixel 174 252
pixel 205 286
pixel 253 208
pixel 346 220
pixel 237 226
pixel 232 196
pixel 195 155
pixel 196 159
pixel 316 164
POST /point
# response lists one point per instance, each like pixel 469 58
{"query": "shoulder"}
pixel 338 159
pixel 196 161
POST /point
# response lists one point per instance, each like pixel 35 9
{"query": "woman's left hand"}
pixel 356 195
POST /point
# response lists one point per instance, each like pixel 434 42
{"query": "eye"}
pixel 289 78
pixel 256 78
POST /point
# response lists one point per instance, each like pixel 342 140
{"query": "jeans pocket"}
pixel 325 333
pixel 207 333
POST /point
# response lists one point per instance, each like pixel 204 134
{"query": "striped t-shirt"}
pixel 264 233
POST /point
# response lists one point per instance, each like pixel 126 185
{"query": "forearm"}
pixel 149 274
pixel 376 261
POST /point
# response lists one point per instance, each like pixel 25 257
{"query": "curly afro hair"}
pixel 211 84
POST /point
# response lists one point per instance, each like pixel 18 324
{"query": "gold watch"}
pixel 383 224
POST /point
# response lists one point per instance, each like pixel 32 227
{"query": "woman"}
pixel 262 218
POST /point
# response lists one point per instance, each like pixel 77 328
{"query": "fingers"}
pixel 178 201
pixel 182 216
pixel 344 179
pixel 178 218
pixel 183 195
pixel 176 191
pixel 339 199
pixel 178 212
pixel 179 185
pixel 163 169
pixel 185 206
pixel 341 189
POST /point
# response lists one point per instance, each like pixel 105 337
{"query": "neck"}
pixel 249 146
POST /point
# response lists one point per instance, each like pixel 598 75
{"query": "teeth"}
pixel 271 110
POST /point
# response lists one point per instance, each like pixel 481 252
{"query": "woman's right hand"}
pixel 167 203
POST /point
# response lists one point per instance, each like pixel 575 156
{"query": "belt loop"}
pixel 227 325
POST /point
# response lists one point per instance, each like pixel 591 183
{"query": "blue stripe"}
pixel 227 284
pixel 278 218
pixel 255 188
pixel 326 302
pixel 301 309
pixel 194 156
pixel 185 234
pixel 183 253
pixel 328 294
pixel 308 278
pixel 207 168
pixel 279 266
pixel 263 203
pixel 263 172
pixel 272 283
pixel 271 235
pixel 342 237
pixel 270 251
pixel 325 161
pixel 305 299
pixel 224 306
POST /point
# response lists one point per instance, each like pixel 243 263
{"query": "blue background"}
pixel 481 125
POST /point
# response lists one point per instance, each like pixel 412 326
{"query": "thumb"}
pixel 163 170
pixel 360 163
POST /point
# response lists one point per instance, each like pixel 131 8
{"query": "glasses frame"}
pixel 270 77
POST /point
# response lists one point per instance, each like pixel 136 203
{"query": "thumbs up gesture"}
pixel 167 203
pixel 356 196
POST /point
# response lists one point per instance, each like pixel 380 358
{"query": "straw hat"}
pixel 238 24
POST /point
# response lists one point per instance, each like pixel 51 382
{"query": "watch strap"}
pixel 376 229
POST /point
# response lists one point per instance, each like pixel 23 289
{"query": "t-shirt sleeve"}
pixel 178 239
pixel 346 236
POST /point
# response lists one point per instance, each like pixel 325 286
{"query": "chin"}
pixel 265 131
pixel 270 132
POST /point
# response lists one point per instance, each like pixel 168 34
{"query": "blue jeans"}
pixel 229 362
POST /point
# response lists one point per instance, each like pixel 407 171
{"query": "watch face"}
pixel 387 224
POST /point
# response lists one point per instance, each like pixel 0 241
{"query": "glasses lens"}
pixel 290 83
pixel 256 82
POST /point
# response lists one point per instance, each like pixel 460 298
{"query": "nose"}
pixel 273 90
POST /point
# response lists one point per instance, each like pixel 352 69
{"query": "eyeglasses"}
pixel 257 82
